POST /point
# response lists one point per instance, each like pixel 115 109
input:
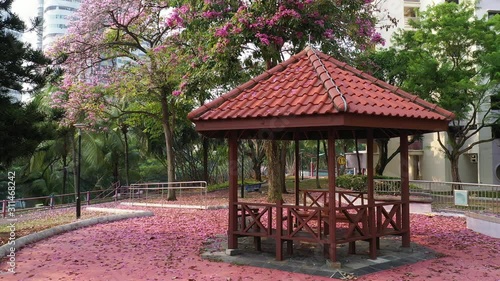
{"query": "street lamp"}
pixel 79 126
pixel 301 155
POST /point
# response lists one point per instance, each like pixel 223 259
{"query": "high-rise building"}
pixel 427 161
pixel 56 15
pixel 406 10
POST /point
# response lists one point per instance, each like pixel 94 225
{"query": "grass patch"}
pixel 224 185
pixel 306 183
pixel 43 220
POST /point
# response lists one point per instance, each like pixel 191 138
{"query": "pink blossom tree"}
pixel 258 35
pixel 123 50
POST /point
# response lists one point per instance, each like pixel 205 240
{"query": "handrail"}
pixel 50 200
pixel 148 190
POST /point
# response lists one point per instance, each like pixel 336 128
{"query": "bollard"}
pixel 4 208
pixel 51 201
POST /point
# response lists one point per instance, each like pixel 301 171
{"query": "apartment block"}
pixel 428 162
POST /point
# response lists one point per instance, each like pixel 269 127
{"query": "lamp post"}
pixel 301 155
pixel 79 126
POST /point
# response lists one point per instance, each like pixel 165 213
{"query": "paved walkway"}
pixel 308 258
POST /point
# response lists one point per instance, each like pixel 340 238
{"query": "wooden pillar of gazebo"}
pixel 332 221
pixel 297 171
pixel 232 239
pixel 405 190
pixel 371 194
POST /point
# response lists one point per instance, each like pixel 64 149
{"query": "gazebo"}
pixel 313 96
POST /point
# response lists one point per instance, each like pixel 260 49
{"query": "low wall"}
pixel 487 225
pixel 117 214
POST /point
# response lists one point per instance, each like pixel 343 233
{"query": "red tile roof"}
pixel 306 85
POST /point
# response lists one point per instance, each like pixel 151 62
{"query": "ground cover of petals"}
pixel 167 247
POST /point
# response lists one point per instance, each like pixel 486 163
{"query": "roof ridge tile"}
pixel 237 90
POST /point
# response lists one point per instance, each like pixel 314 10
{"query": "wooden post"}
pixel 4 208
pixel 332 206
pixel 405 189
pixel 297 171
pixel 371 195
pixel 232 240
pixel 279 230
pixel 88 197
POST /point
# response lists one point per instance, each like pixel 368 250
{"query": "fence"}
pixel 61 200
pixel 155 191
pixel 448 196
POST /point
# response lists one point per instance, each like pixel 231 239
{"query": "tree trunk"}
pixel 75 162
pixel 65 168
pixel 205 158
pixel 116 174
pixel 256 168
pixel 382 159
pixel 455 175
pixel 257 157
pixel 275 174
pixel 357 155
pixel 124 129
pixel 283 166
pixel 341 170
pixel 167 131
pixel 318 186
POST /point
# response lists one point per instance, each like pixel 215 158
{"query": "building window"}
pixel 495 102
pixel 452 1
pixel 492 14
pixel 62 26
pixel 495 131
pixel 410 14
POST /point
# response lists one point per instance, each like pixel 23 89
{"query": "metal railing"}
pixel 448 196
pixel 158 192
pixel 56 201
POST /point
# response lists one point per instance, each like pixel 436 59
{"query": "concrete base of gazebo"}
pixel 308 258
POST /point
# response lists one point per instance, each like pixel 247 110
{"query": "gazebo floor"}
pixel 308 258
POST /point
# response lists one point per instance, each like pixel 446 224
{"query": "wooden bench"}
pixel 254 187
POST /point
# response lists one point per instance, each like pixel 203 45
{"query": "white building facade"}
pixel 56 15
pixel 427 161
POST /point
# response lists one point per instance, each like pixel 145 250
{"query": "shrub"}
pixel 353 182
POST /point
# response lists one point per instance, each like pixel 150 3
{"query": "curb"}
pixel 175 206
pixel 44 234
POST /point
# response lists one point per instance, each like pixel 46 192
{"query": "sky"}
pixel 26 10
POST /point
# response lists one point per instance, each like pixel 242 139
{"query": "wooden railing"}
pixel 316 197
pixel 306 224
pixel 255 219
pixel 358 227
pixel 319 198
pixel 355 220
pixel 310 224
pixel 389 222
